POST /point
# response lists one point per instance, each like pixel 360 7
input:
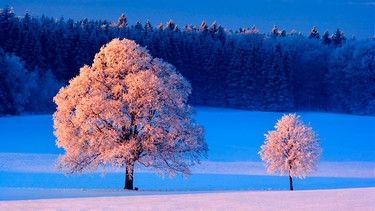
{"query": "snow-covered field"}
pixel 233 177
pixel 347 199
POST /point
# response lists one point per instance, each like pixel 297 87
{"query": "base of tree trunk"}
pixel 290 182
pixel 129 177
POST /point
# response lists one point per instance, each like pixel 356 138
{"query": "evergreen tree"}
pixel 254 30
pixel 203 28
pixel 314 33
pixel 338 38
pixel 326 39
pixel 6 23
pixel 274 31
pixel 122 22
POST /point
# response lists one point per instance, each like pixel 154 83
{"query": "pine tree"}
pixel 127 108
pixel 254 30
pixel 213 30
pixel 122 22
pixel 12 31
pixel 326 39
pixel 314 33
pixel 292 148
pixel 274 31
pixel 6 21
pixel 203 28
pixel 338 38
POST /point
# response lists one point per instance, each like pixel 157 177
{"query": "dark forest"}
pixel 243 69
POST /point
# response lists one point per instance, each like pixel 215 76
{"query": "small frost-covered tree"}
pixel 292 148
pixel 127 108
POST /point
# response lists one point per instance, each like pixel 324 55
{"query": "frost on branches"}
pixel 127 108
pixel 292 148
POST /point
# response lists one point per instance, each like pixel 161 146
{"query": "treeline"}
pixel 246 69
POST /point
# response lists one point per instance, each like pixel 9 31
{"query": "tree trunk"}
pixel 129 171
pixel 290 182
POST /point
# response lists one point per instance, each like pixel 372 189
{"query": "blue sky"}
pixel 351 16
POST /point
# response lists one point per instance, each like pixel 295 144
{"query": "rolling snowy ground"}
pixel 233 174
pixel 347 199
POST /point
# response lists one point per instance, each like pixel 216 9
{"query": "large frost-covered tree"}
pixel 292 148
pixel 127 108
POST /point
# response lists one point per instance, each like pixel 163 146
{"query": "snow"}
pixel 350 199
pixel 233 177
pixel 45 163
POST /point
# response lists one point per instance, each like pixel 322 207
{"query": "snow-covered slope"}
pixel 28 153
pixel 346 199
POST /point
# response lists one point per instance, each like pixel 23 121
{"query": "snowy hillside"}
pixel 346 199
pixel 28 154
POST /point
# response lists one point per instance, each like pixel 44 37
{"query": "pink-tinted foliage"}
pixel 293 148
pixel 127 108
